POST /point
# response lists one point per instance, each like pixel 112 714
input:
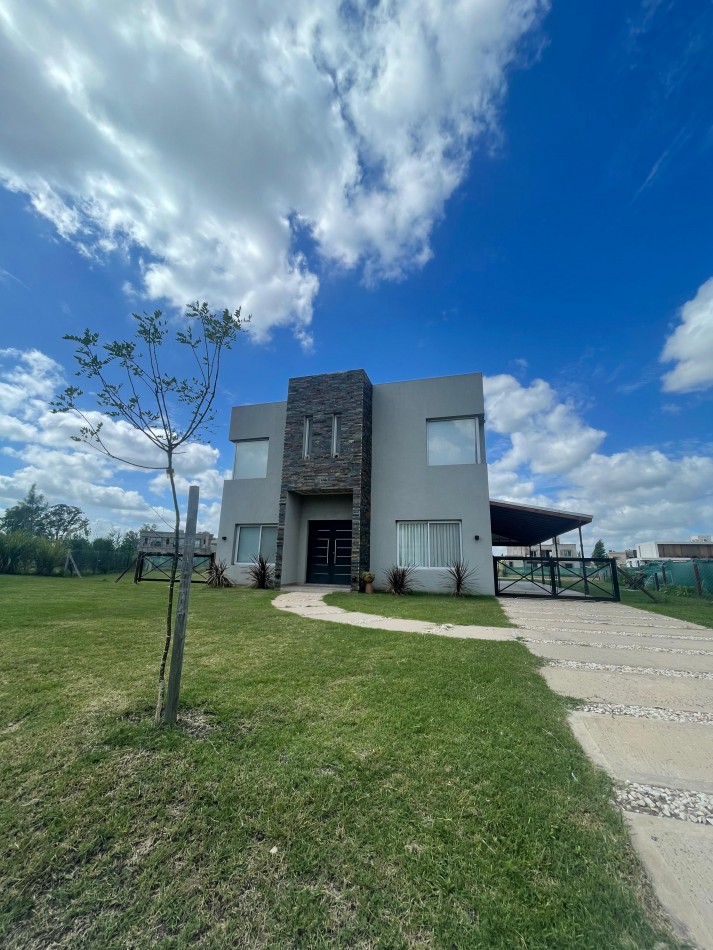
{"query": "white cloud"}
pixel 40 451
pixel 206 135
pixel 545 434
pixel 546 454
pixel 690 345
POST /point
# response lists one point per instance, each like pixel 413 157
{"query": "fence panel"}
pixel 582 578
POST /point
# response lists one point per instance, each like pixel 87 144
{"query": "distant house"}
pixel 566 549
pixel 161 542
pixel 346 476
pixel 699 547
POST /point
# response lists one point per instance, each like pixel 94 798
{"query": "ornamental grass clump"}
pixel 217 576
pixel 262 573
pixel 401 580
pixel 459 578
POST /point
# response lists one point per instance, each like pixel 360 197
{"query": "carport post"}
pixel 584 566
pixel 581 543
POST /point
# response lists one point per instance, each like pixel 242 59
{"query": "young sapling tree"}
pixel 132 383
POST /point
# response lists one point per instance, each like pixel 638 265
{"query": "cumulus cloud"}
pixel 690 346
pixel 546 454
pixel 209 136
pixel 545 434
pixel 39 450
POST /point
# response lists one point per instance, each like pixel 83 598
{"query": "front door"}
pixel 329 552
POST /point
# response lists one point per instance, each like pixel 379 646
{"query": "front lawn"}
pixel 435 608
pixel 332 786
pixel 692 609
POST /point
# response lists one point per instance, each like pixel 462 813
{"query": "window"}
pixel 428 543
pixel 453 441
pixel 307 438
pixel 253 539
pixel 336 433
pixel 251 458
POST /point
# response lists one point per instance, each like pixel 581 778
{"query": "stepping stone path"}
pixel 646 686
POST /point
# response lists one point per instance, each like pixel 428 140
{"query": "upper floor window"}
pixel 307 438
pixel 337 433
pixel 251 458
pixel 454 441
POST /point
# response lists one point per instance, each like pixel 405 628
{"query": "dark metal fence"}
pixel 580 578
pixel 157 567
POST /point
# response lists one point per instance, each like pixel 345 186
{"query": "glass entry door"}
pixel 329 552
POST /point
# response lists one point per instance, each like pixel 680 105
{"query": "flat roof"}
pixel 527 525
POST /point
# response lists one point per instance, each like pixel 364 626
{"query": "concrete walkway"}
pixel 308 602
pixel 646 686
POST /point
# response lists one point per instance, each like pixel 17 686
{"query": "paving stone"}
pixel 671 754
pixel 678 857
pixel 644 658
pixel 600 686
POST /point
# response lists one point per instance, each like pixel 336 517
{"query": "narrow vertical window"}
pixel 336 433
pixel 307 443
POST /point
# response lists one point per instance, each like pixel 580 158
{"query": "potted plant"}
pixel 368 581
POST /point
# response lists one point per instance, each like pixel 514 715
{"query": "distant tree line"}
pixel 35 538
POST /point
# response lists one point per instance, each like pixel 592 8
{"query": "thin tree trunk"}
pixel 171 586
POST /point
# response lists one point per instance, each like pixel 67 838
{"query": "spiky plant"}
pixel 459 578
pixel 401 580
pixel 16 550
pixel 261 572
pixel 49 556
pixel 217 576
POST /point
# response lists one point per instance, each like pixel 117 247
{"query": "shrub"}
pixel 261 572
pixel 16 551
pixel 459 579
pixel 217 576
pixel 401 580
pixel 680 590
pixel 49 556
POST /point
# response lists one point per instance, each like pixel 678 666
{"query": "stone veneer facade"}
pixel 320 397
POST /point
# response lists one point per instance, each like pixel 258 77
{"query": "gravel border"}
pixel 618 633
pixel 615 668
pixel 696 807
pixel 617 646
pixel 647 712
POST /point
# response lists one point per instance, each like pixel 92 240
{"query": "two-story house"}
pixel 346 476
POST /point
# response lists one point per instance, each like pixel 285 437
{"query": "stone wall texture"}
pixel 319 398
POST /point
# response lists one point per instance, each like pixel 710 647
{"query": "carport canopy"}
pixel 527 526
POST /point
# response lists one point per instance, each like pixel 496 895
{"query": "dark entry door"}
pixel 329 552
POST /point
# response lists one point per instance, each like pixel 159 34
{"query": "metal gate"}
pixel 157 567
pixel 583 578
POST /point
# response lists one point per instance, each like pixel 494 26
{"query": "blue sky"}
pixel 518 188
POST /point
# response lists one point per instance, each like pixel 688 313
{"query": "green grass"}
pixel 438 608
pixel 420 791
pixel 693 609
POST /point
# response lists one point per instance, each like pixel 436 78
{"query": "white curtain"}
pixel 413 543
pixel 444 539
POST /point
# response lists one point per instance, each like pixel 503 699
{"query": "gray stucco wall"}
pixel 406 488
pixel 252 500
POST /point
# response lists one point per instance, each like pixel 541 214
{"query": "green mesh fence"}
pixel 662 574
